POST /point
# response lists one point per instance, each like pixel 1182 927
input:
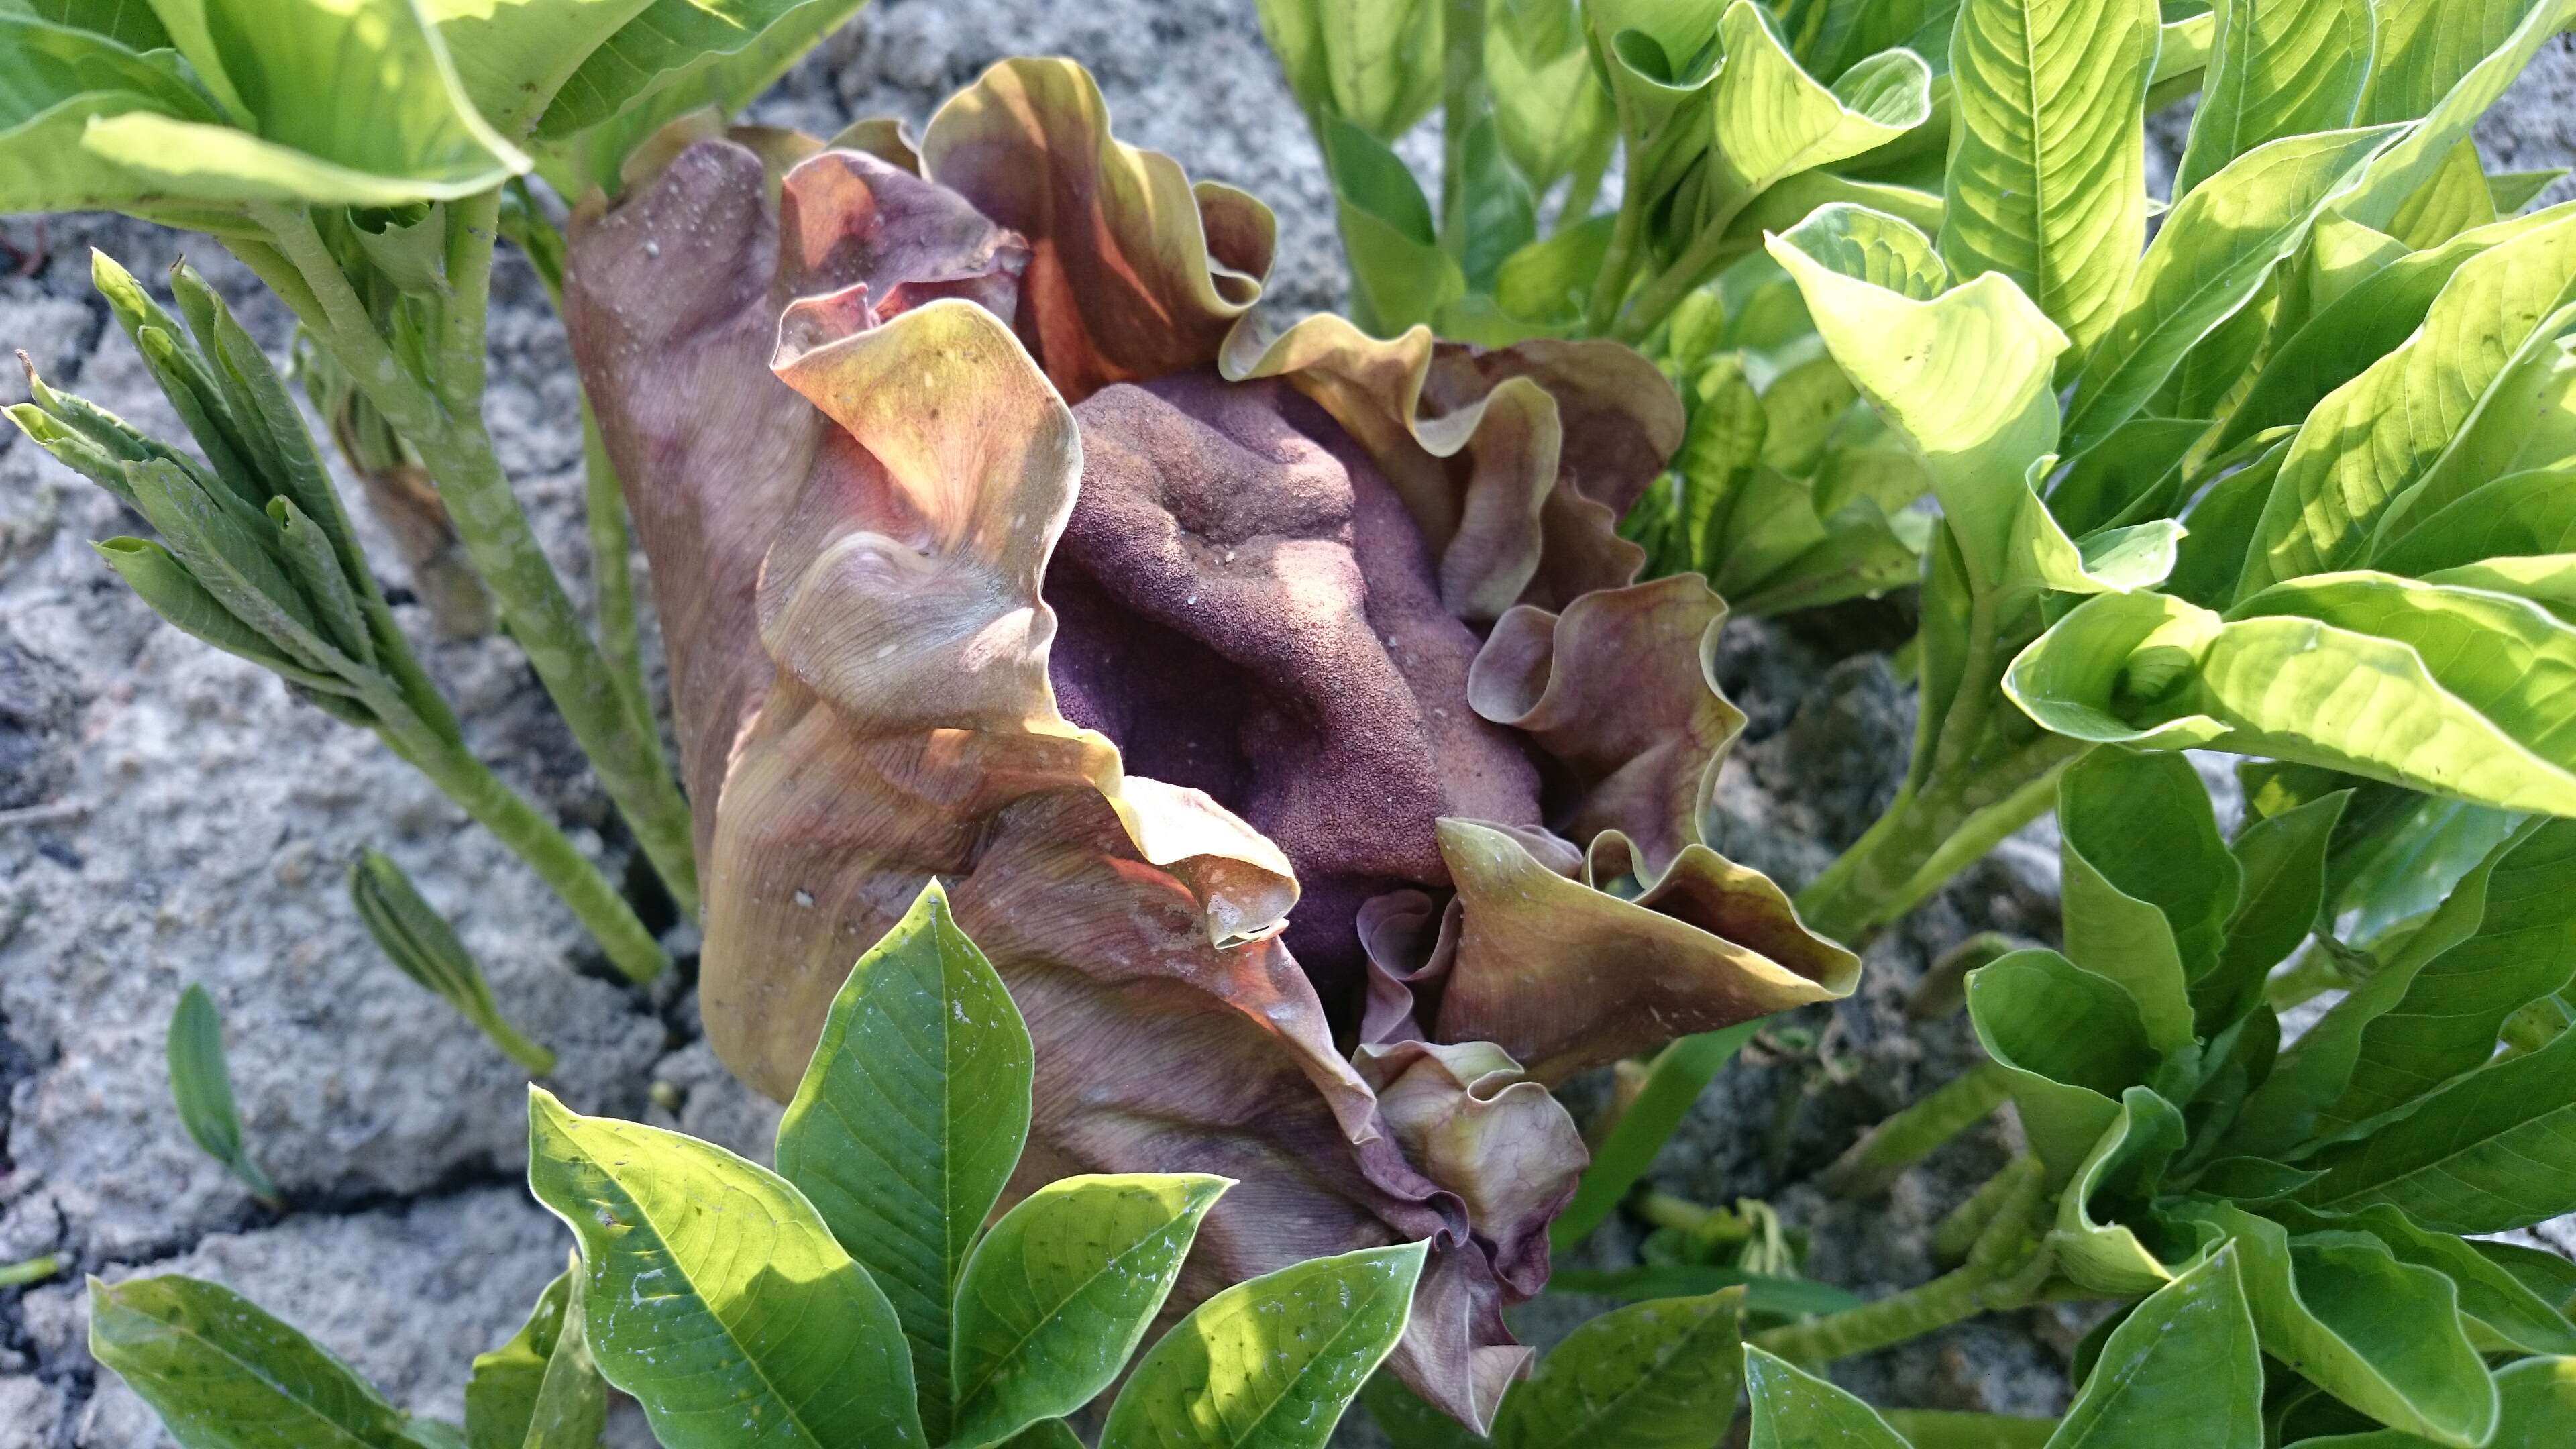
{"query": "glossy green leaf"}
pixel 2360 672
pixel 2208 260
pixel 1794 1409
pixel 2538 1398
pixel 2073 1043
pixel 512 56
pixel 2549 1277
pixel 1046 1434
pixel 2481 1154
pixel 202 1087
pixel 2282 862
pixel 2276 68
pixel 1550 105
pixel 675 45
pixel 540 1390
pixel 1059 1293
pixel 1772 120
pixel 1373 63
pixel 2522 514
pixel 2402 420
pixel 2446 61
pixel 1497 215
pixel 421 945
pixel 1399 274
pixel 676 57
pixel 1950 1429
pixel 1660 1375
pixel 2148 883
pixel 2182 1368
pixel 2047 173
pixel 1965 379
pixel 2383 1336
pixel 54 79
pixel 2446 1019
pixel 2353 328
pixel 130 25
pixel 1872 247
pixel 714 1294
pixel 1408 1422
pixel 2454 199
pixel 909 1120
pixel 2096 1249
pixel 1270 1363
pixel 2504 1314
pixel 223 1374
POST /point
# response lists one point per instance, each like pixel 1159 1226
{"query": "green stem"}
pixel 446 428
pixel 33 1270
pixel 2006 1269
pixel 1959 1229
pixel 613 581
pixel 1915 1133
pixel 547 850
pixel 1927 837
pixel 1620 260
pixel 1701 260
pixel 1584 187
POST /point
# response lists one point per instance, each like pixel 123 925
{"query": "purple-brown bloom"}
pixel 1235 691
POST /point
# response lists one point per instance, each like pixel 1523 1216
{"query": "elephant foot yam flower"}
pixel 1235 690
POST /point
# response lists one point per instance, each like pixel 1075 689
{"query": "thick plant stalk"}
pixel 2006 1269
pixel 442 420
pixel 1886 1150
pixel 1929 835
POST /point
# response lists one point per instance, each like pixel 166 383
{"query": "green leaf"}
pixel 2348 330
pixel 1499 215
pixel 2446 61
pixel 397 126
pixel 202 1087
pixel 676 57
pixel 1373 63
pixel 2549 1277
pixel 2276 68
pixel 54 79
pixel 909 1120
pixel 1949 1429
pixel 223 1374
pixel 1550 105
pixel 714 1294
pixel 1794 1409
pixel 1772 120
pixel 2132 475
pixel 2282 861
pixel 2452 1006
pixel 1060 1292
pixel 2404 420
pixel 1660 1375
pixel 1399 275
pixel 2480 1154
pixel 2449 690
pixel 540 1390
pixel 2518 515
pixel 513 56
pixel 2180 1369
pixel 2123 1171
pixel 131 25
pixel 2208 260
pixel 2505 1316
pixel 2538 1398
pixel 1045 1434
pixel 2047 174
pixel 1965 380
pixel 671 46
pixel 1545 282
pixel 1408 1422
pixel 1270 1363
pixel 2382 1336
pixel 1674 1080
pixel 2453 200
pixel 1872 247
pixel 420 943
pixel 2073 1043
pixel 165 583
pixel 2148 883
pixel 2514 190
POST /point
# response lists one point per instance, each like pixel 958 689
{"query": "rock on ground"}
pixel 168 816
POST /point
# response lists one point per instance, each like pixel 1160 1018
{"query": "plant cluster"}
pixel 1317 733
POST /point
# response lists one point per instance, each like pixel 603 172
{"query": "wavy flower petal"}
pixel 1136 273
